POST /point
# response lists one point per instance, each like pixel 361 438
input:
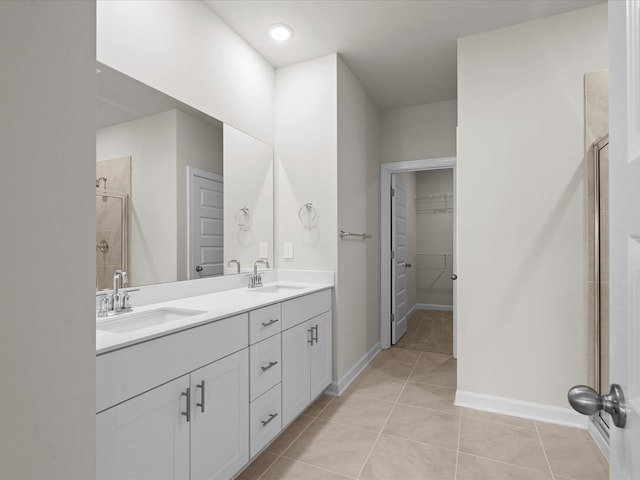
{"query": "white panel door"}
pixel 320 352
pixel 295 371
pixel 624 146
pixel 206 227
pixel 220 418
pixel 146 437
pixel 399 259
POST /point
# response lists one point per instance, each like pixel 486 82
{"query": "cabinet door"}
pixel 295 371
pixel 320 353
pixel 145 437
pixel 220 423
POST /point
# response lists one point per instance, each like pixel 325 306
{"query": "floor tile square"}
pixel 358 411
pixel 397 459
pixel 341 448
pixel 504 443
pixel 423 425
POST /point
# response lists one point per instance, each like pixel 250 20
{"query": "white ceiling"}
pixel 403 52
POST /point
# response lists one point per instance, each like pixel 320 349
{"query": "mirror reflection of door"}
pixel 206 224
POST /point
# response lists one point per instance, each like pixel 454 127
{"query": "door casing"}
pixel 386 169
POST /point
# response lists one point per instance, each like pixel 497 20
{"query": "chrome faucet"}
pixel 237 265
pixel 255 280
pixel 119 300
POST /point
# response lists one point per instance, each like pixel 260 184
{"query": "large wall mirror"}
pixel 178 194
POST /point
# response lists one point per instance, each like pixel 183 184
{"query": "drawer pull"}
pixel 314 337
pixel 188 412
pixel 270 322
pixel 271 364
pixel 271 417
pixel 310 341
pixel 201 405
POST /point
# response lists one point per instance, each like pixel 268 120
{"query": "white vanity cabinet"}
pixel 145 437
pixel 265 371
pixel 306 352
pixel 194 426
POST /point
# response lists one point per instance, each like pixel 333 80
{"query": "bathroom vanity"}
pixel 197 387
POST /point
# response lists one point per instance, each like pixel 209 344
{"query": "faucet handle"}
pixel 103 311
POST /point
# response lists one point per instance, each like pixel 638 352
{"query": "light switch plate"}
pixel 264 250
pixel 288 250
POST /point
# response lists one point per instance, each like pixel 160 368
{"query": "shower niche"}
pixel 113 189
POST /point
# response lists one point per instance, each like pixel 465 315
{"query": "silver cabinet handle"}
pixel 270 322
pixel 314 337
pixel 310 341
pixel 271 417
pixel 188 412
pixel 271 364
pixel 201 404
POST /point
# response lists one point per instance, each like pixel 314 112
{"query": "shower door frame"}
pixel 124 223
pixel 386 170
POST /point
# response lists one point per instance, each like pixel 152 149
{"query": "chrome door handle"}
pixel 201 404
pixel 198 268
pixel 407 265
pixel 587 401
pixel 454 276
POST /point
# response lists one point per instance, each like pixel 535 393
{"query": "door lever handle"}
pixel 587 401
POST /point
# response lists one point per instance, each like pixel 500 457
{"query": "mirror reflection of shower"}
pixel 112 219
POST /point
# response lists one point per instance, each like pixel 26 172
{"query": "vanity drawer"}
pixel 265 360
pixel 266 419
pixel 264 322
pixel 130 371
pixel 302 309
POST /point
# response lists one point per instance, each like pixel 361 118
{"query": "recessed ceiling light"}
pixel 280 32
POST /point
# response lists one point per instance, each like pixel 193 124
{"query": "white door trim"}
pixel 191 173
pixel 386 169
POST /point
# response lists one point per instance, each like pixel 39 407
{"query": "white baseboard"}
pixel 519 408
pixel 338 388
pixel 411 310
pixel 598 435
pixel 431 306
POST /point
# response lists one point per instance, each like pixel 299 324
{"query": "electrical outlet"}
pixel 288 250
pixel 264 250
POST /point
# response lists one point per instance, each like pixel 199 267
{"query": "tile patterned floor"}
pixel 429 330
pixel 397 421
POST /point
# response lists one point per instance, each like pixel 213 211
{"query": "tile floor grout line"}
pixel 319 467
pixel 521 467
pixel 364 464
pixel 313 419
pixel 543 450
pixel 455 472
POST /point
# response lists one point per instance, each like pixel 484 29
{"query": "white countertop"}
pixel 216 305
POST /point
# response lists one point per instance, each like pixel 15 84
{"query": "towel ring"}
pixel 308 215
pixel 243 219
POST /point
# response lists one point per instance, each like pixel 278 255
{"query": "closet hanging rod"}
pixel 363 236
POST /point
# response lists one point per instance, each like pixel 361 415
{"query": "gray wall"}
pixel 47 233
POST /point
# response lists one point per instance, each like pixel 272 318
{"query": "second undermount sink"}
pixel 277 288
pixel 130 322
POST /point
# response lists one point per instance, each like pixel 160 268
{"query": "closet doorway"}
pixel 418 261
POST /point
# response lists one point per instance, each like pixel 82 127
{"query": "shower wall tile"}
pixel 604 317
pixel 596 91
pixel 118 173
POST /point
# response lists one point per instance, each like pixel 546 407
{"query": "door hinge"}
pixel 393 317
pixel 393 254
pixel 393 192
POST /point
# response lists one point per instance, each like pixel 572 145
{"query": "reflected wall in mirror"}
pixel 248 206
pixel 164 160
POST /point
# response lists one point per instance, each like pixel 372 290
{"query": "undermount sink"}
pixel 276 289
pixel 130 322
